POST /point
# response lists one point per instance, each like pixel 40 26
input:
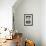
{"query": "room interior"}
pixel 22 23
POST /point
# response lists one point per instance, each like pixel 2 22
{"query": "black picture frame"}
pixel 28 19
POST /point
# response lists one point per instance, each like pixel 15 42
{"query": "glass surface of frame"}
pixel 28 19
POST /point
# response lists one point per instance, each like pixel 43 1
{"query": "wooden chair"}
pixel 18 39
pixel 29 43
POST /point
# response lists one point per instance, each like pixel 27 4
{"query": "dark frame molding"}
pixel 32 19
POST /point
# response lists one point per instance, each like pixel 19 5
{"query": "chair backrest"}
pixel 18 37
pixel 29 43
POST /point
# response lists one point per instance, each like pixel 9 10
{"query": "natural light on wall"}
pixel 6 13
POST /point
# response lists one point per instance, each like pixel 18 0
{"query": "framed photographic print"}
pixel 28 19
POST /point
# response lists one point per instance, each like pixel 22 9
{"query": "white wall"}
pixel 6 13
pixel 43 22
pixel 29 7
